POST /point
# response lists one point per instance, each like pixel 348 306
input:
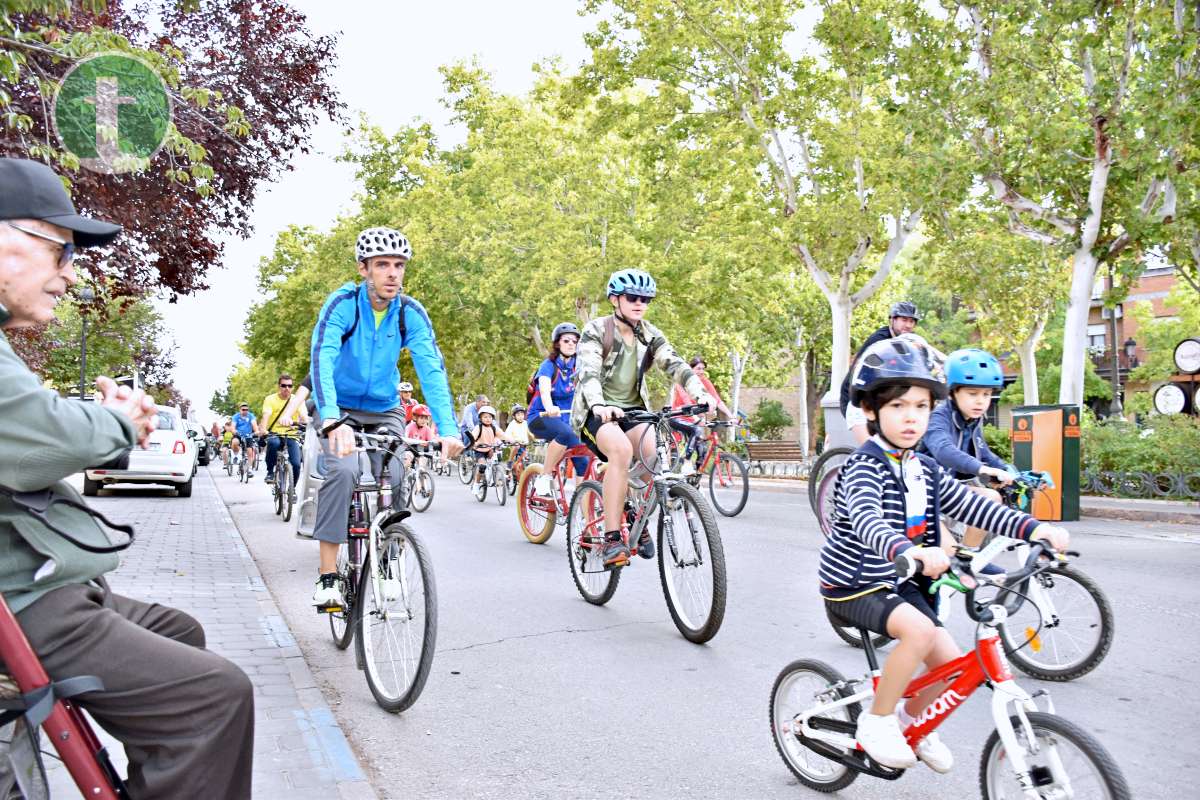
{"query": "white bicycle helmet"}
pixel 404 386
pixel 382 242
pixel 487 410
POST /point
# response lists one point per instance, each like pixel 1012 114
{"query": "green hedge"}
pixel 999 441
pixel 1162 444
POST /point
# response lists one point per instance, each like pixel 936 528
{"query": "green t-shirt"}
pixel 622 387
pixel 378 317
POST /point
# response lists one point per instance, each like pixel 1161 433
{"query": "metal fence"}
pixel 1178 485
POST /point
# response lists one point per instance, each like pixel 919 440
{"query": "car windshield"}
pixel 166 421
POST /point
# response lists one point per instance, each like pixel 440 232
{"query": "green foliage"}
pixel 999 441
pixel 1050 372
pixel 1159 336
pixel 1164 444
pixel 222 404
pixel 769 419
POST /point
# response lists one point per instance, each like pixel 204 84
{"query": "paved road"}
pixel 536 694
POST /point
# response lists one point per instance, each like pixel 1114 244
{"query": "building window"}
pixel 1097 338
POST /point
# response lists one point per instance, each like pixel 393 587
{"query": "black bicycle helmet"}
pixel 904 309
pixel 893 362
pixel 562 329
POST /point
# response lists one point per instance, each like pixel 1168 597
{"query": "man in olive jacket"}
pixel 184 715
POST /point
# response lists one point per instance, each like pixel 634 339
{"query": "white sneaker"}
pixel 687 468
pixel 935 754
pixel 541 484
pixel 881 738
pixel 328 592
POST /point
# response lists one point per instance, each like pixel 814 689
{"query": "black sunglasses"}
pixel 637 298
pixel 285 386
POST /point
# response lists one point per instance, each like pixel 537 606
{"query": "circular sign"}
pixel 113 112
pixel 1187 355
pixel 1169 399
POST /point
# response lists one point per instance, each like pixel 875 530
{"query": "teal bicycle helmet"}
pixel 632 281
pixel 973 367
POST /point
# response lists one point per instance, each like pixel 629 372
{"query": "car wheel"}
pixel 184 489
pixel 91 488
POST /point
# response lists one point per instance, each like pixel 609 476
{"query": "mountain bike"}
pixel 491 474
pixel 1031 754
pixel 691 560
pixel 243 467
pixel 386 579
pixel 728 477
pixel 538 513
pixel 517 463
pixel 283 490
pixel 227 458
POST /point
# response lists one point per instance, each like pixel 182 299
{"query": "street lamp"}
pixel 84 295
pixel 1131 352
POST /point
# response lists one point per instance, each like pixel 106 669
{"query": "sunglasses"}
pixel 285 386
pixel 65 256
pixel 637 298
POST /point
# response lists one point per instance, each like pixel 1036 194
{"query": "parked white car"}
pixel 170 457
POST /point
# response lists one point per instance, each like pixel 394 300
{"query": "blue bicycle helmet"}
pixel 893 362
pixel 632 281
pixel 973 367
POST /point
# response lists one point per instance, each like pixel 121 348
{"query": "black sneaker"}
pixel 616 552
pixel 645 545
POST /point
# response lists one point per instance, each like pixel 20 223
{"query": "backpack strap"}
pixel 610 335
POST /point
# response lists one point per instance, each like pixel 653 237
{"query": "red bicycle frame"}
pixel 73 738
pixel 557 502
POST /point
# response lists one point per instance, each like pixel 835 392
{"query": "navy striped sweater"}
pixel 870 521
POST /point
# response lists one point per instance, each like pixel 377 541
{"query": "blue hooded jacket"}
pixel 957 444
pixel 359 371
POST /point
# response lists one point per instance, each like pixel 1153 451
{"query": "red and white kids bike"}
pixel 1031 755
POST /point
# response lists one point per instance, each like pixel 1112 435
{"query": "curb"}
pixel 323 735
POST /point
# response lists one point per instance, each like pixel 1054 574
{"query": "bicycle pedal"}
pixel 330 609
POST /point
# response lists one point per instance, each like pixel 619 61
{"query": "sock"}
pixel 905 719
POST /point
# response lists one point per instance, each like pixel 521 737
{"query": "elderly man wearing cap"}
pixel 184 714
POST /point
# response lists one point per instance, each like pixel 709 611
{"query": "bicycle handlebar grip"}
pixel 906 566
pixel 341 421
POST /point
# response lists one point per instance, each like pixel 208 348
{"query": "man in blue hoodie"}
pixel 356 344
pixel 955 434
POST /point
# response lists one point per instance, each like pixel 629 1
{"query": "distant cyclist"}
pixel 955 435
pixel 280 433
pixel 245 424
pixel 407 402
pixel 553 394
pixel 612 383
pixel 356 345
pixel 680 398
pixel 902 318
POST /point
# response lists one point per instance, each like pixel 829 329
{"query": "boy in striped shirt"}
pixel 888 500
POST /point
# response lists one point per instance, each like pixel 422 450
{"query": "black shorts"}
pixel 592 424
pixel 871 611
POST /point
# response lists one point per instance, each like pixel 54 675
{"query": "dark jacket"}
pixel 878 336
pixel 957 444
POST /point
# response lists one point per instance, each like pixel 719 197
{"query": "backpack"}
pixel 404 301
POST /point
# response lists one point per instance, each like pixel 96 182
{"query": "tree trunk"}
pixel 739 363
pixel 803 405
pixel 840 310
pixel 1079 302
pixel 1027 352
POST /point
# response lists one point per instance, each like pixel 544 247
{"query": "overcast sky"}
pixel 387 67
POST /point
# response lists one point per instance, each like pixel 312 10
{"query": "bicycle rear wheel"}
pixel 801 685
pixel 729 484
pixel 397 619
pixel 466 467
pixel 692 567
pixel 422 490
pixel 536 513
pixel 340 626
pixel 1070 644
pixel 824 508
pixel 1068 760
pixel 289 492
pixel 585 545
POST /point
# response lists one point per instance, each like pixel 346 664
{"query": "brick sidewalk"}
pixel 188 554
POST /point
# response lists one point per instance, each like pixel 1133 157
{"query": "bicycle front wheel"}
pixel 729 484
pixel 1068 762
pixel 585 545
pixel 289 493
pixel 466 467
pixel 421 494
pixel 397 619
pixel 1072 640
pixel 500 484
pixel 536 513
pixel 800 686
pixel 691 563
pixel 821 481
pixel 340 626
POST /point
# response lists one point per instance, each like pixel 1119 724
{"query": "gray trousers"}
pixel 185 715
pixel 341 476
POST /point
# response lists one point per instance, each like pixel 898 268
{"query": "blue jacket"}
pixel 354 364
pixel 957 444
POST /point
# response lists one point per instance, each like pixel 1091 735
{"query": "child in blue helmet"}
pixel 887 501
pixel 955 435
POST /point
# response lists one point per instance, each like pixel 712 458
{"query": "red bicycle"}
pixel 34 701
pixel 1031 754
pixel 728 477
pixel 537 513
